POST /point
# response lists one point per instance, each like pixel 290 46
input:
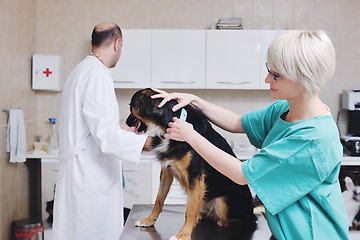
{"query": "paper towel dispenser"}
pixel 47 72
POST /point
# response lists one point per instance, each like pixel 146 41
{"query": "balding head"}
pixel 104 34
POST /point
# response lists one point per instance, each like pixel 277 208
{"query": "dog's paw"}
pixel 222 224
pixel 180 237
pixel 145 222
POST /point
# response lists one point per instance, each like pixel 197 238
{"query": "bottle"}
pixel 53 147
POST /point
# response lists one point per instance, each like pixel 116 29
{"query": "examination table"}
pixel 172 218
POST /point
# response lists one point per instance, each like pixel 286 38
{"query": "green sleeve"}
pixel 285 171
pixel 258 124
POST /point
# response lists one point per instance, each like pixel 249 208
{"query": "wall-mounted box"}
pixel 47 72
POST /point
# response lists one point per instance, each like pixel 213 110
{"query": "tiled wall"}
pixel 64 27
pixel 17 43
pixel 341 18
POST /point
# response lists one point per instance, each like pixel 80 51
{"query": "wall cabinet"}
pixel 133 70
pixel 267 36
pixel 194 59
pixel 233 59
pixel 178 59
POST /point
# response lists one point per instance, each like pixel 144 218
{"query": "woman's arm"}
pixel 220 116
pixel 217 158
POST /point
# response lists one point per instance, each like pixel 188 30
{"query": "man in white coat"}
pixel 89 190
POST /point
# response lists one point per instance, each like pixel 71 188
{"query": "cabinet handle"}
pixel 178 82
pixel 221 82
pixel 125 81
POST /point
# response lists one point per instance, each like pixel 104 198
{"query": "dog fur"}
pixel 211 195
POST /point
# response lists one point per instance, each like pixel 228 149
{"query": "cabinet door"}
pixel 178 59
pixel 133 70
pixel 137 183
pixel 49 172
pixel 267 36
pixel 176 194
pixel 233 58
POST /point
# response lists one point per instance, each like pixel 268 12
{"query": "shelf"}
pixel 44 158
pixel 350 161
pixel 40 156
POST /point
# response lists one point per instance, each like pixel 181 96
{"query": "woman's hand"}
pixel 179 130
pixel 183 99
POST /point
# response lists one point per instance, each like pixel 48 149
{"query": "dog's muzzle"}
pixel 139 126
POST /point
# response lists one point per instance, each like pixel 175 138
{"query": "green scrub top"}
pixel 296 173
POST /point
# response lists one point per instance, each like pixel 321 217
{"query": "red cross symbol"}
pixel 47 72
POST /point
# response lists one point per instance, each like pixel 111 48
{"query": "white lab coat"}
pixel 89 193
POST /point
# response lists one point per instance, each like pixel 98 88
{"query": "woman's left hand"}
pixel 179 130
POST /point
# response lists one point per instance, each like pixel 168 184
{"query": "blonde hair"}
pixel 307 57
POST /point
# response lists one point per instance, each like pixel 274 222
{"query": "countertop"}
pixel 172 219
pixel 346 161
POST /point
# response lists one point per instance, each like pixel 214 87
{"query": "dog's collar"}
pixel 183 114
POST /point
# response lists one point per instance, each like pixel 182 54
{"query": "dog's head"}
pixel 145 115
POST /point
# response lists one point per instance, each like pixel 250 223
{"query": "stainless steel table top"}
pixel 172 219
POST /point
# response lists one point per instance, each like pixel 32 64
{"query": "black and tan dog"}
pixel 211 195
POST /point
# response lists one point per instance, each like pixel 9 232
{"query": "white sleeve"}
pixel 100 110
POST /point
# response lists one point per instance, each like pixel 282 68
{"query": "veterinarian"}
pixel 296 172
pixel 89 189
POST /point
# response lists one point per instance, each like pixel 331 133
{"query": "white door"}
pixel 233 58
pixel 137 183
pixel 133 70
pixel 49 172
pixel 176 194
pixel 178 59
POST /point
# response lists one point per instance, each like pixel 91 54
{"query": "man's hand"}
pixel 124 126
pixel 148 144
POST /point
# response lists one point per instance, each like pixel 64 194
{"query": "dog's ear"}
pixel 163 115
pixel 349 184
pixel 151 106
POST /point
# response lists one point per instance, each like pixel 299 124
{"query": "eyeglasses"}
pixel 275 76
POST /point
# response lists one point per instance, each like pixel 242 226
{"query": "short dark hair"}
pixel 105 37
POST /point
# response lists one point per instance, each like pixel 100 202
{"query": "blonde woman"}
pixel 296 172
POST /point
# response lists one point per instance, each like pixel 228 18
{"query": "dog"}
pixel 352 201
pixel 211 195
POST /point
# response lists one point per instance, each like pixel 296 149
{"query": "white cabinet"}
pixel 49 172
pixel 137 182
pixel 194 59
pixel 267 36
pixel 232 59
pixel 133 69
pixel 178 59
pixel 142 183
pixel 176 194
